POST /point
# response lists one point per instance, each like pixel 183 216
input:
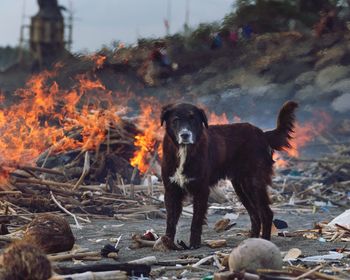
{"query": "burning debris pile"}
pixel 80 143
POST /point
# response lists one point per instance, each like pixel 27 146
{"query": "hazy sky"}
pixel 100 22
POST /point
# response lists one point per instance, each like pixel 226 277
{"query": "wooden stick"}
pixel 131 269
pixel 132 186
pixel 7 238
pixel 43 182
pixel 342 227
pixel 66 211
pixel 11 193
pixel 71 255
pixel 86 170
pixel 307 273
pixel 41 169
pixel 147 260
pixel 319 275
pixel 140 243
pixel 204 260
pixel 89 275
pixel 108 139
pixel 48 153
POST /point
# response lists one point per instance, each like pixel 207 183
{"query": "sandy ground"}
pixel 98 233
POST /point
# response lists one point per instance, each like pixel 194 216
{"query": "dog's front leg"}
pixel 173 203
pixel 200 205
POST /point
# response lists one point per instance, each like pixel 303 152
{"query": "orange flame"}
pixel 98 59
pixel 304 134
pixel 147 140
pixel 44 116
pixel 218 119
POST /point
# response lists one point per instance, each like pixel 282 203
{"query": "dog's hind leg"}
pixel 243 191
pixel 200 205
pixel 260 199
pixel 173 203
pixel 266 214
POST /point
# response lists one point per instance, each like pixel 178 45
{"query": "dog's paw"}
pixel 183 245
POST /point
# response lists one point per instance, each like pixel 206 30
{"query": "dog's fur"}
pixel 196 156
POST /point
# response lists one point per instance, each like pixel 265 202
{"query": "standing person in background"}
pixel 247 31
pixel 216 42
pixel 233 37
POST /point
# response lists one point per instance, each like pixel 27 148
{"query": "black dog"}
pixel 196 156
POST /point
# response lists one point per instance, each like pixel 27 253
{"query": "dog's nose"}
pixel 185 136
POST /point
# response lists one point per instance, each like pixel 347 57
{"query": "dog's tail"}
pixel 279 138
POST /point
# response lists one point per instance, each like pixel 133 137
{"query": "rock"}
pixel 328 40
pixel 342 103
pixel 283 74
pixel 255 253
pixel 246 79
pixel 25 261
pixel 331 74
pixel 305 78
pixel 331 56
pixel 51 233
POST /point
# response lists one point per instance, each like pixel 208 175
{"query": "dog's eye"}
pixel 175 120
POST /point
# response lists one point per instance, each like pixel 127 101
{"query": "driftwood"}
pixel 72 255
pixel 130 269
pixel 104 275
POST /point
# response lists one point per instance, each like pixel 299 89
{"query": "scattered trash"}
pixel 332 256
pixel 216 243
pixel 280 224
pixel 292 255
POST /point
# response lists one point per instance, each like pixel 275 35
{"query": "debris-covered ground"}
pixel 305 199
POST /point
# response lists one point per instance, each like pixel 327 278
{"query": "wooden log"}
pixel 138 242
pixel 43 182
pixel 130 269
pixel 41 170
pixel 11 193
pixel 174 262
pixel 71 255
pixel 89 275
pixel 150 260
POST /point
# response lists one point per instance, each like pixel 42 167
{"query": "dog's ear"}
pixel 165 113
pixel 203 117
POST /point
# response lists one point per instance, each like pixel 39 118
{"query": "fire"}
pixel 304 133
pixel 44 116
pixel 218 119
pixel 98 60
pixel 147 141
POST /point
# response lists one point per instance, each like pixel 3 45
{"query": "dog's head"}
pixel 184 122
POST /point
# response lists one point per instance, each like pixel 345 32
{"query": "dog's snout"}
pixel 185 135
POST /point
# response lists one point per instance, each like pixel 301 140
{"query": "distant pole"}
pixel 70 26
pixel 21 35
pixel 187 17
pixel 168 20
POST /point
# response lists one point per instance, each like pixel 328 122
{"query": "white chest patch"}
pixel 178 177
